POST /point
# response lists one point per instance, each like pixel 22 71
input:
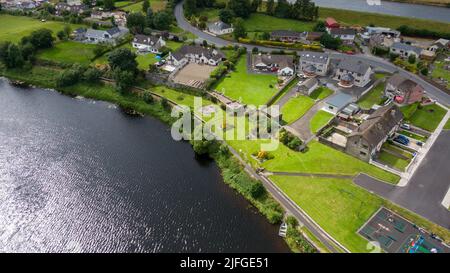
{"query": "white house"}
pixel 347 35
pixel 95 36
pixel 351 72
pixel 440 44
pixel 195 54
pixel 283 65
pixel 145 43
pixel 405 50
pixel 314 63
pixel 220 28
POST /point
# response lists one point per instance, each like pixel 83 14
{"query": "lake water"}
pixel 392 8
pixel 78 175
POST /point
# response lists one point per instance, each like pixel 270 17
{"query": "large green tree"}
pixel 162 20
pixel 241 8
pixel 145 6
pixel 109 4
pixel 136 22
pixel 239 29
pixel 226 15
pixel 123 59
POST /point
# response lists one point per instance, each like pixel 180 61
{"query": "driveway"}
pixel 426 189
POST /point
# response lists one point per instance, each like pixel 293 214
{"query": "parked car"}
pixel 405 126
pixel 402 140
pixel 419 143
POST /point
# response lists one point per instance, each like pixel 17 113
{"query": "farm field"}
pixel 13 28
pixel 249 88
pixel 155 4
pixel 68 52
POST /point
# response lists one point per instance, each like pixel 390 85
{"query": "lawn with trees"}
pixel 321 93
pixel 13 28
pixel 254 89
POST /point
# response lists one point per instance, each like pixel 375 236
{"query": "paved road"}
pixel 432 91
pixel 426 189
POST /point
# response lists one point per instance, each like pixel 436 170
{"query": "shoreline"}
pixel 167 119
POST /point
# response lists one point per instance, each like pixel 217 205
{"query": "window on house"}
pixel 362 153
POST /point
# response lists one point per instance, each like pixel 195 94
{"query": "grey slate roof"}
pixel 198 50
pixel 286 33
pixel 218 26
pixel 281 60
pixel 308 84
pixel 406 47
pixel 352 65
pixel 339 100
pixel 316 57
pixel 378 125
pixel 342 31
pixel 145 40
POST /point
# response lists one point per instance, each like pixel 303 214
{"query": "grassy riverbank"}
pixel 232 171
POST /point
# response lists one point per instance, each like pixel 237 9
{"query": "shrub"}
pixel 257 190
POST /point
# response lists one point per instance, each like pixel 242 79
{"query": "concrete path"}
pixel 301 125
pixel 426 189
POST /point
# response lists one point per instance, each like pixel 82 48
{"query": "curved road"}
pixel 432 91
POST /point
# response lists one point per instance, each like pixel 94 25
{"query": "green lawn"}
pixel 155 4
pixel 258 22
pixel 337 205
pixel 447 125
pixel 427 117
pixel 319 120
pixel 13 28
pixel 295 108
pixel 249 88
pixel 412 135
pixel 365 19
pixel 393 161
pixel 120 4
pixel 440 72
pixel 372 97
pixel 177 96
pixel 321 93
pixel 68 52
pixel 318 159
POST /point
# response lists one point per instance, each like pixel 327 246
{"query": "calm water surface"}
pixel 78 175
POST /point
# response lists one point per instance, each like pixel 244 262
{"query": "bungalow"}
pixel 283 65
pixel 403 91
pixel 314 63
pixel 195 54
pixel 120 18
pixel 314 36
pixel 337 102
pixel 366 140
pixel 351 72
pixel 405 50
pixel 94 36
pixel 287 36
pixel 79 34
pixel 62 7
pixel 347 35
pixel 101 15
pixel 440 44
pixel 381 41
pixel 307 87
pixel 331 23
pixel 383 31
pixel 220 28
pixel 145 43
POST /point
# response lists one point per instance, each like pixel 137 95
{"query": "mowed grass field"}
pixel 69 52
pixel 155 4
pixel 337 205
pixel 318 159
pixel 295 108
pixel 319 120
pixel 427 117
pixel 365 18
pixel 372 97
pixel 259 22
pixel 249 88
pixel 13 28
